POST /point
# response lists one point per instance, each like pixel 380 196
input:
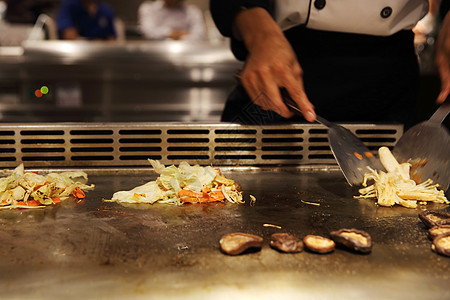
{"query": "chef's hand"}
pixel 443 58
pixel 176 34
pixel 271 64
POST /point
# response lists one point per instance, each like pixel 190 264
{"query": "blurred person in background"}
pixel 171 19
pixel 427 24
pixel 351 62
pixel 86 19
pixel 27 11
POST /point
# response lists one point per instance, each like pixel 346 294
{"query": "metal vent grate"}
pixel 131 144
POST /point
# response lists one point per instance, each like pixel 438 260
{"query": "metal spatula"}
pixel 352 156
pixel 427 147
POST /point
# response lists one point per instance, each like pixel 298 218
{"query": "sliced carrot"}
pixel 218 195
pixel 189 200
pixel 188 196
pixel 359 156
pixel 56 200
pixel 197 200
pixel 189 193
pixel 78 193
pixel 33 203
pixel 29 203
pixel 38 187
pixel 368 154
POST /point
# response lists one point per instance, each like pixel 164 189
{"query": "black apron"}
pixel 347 77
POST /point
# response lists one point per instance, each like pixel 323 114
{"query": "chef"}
pixel 348 60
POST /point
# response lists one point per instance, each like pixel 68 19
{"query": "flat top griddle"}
pixel 106 250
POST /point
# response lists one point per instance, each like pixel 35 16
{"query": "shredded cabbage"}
pixel 178 185
pixel 22 189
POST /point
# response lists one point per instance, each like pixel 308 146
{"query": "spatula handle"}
pixel 292 105
pixel 441 113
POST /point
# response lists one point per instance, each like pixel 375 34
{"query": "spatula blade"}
pixel 427 147
pixel 352 156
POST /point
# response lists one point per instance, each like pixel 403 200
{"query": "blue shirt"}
pixel 73 14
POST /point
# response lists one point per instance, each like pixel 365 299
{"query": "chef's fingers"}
pixel 443 58
pixel 273 101
pixel 250 82
pixel 293 82
pixel 263 91
pixel 444 71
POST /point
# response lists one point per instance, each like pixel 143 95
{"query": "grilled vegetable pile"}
pixel 23 189
pixel 396 187
pixel 182 184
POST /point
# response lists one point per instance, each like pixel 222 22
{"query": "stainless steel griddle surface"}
pixel 97 250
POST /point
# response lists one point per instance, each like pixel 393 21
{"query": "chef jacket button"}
pixel 386 12
pixel 319 4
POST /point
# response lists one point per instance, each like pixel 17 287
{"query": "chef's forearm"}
pixel 224 11
pixel 254 25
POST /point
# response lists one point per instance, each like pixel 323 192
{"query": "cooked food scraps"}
pixel 285 242
pixel 396 187
pixel 238 242
pixel 25 189
pixel 438 224
pixel 432 218
pixel 441 244
pixel 353 240
pixel 438 230
pixel 318 244
pixel 182 184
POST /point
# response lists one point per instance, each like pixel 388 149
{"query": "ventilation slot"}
pixel 188 140
pixel 188 157
pixel 187 131
pixel 230 157
pixel 140 132
pixel 91 149
pixel 187 149
pixel 7 142
pixel 91 132
pixel 235 140
pixel 283 131
pixel 42 141
pixel 144 157
pixel 282 140
pixel 6 133
pixel 41 132
pixel 282 148
pixel 235 131
pixel 43 150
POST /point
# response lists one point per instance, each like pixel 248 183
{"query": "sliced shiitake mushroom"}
pixel 441 244
pixel 319 244
pixel 286 242
pixel 435 231
pixel 238 242
pixel 353 239
pixel 434 217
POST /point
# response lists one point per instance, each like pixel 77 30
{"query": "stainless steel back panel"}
pixel 132 144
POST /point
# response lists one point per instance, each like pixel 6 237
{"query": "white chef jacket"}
pixel 373 17
pixel 156 21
